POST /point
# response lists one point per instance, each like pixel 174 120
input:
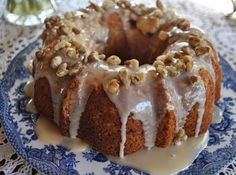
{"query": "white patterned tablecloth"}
pixel 222 33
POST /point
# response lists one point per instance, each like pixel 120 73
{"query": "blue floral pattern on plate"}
pixel 53 159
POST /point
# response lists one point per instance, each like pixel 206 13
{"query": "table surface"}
pixel 206 14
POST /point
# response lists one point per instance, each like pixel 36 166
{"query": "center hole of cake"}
pixel 128 42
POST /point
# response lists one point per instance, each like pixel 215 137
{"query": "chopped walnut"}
pixel 68 15
pixel 172 71
pixel 113 60
pixel 157 13
pixel 180 65
pixel 78 45
pixel 64 30
pixel 61 44
pixel 102 56
pixel 147 25
pixel 30 66
pixel 133 64
pixel 56 61
pixel 187 50
pixel 192 80
pixel 163 35
pixel 62 70
pixel 186 58
pixel 96 7
pixel 124 77
pixel 194 41
pixel 169 59
pixel 178 55
pixel 158 63
pixel 189 66
pixel 76 30
pixel 138 77
pixel 161 57
pixel 180 137
pixel 71 52
pixel 183 24
pixel 202 50
pixel 162 72
pixel 93 56
pixel 76 68
pixel 113 86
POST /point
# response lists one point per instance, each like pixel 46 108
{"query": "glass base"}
pixel 28 20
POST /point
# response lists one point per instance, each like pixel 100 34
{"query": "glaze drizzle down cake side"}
pixel 122 77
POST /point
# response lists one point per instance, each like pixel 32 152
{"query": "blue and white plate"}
pixel 53 159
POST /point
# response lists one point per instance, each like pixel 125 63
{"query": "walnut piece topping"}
pixel 113 60
pixel 61 45
pixel 56 61
pixel 172 71
pixel 30 66
pixel 158 63
pixel 161 57
pixel 76 30
pixel 62 70
pixel 202 50
pixel 194 41
pixel 76 68
pixel 187 50
pixel 113 86
pixel 133 64
pixel 192 80
pixel 183 24
pixel 163 35
pixel 162 72
pixel 180 137
pixel 157 13
pixel 78 46
pixel 64 30
pixel 147 25
pixel 96 7
pixel 138 77
pixel 189 66
pixel 186 58
pixel 180 65
pixel 71 52
pixel 169 59
pixel 178 55
pixel 68 15
pixel 124 77
pixel 93 56
pixel 102 56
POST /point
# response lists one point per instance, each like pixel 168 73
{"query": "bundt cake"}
pixel 123 76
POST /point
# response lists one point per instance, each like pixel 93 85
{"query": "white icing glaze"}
pixel 91 77
pixel 182 97
pixel 49 133
pixel 138 100
pixel 165 161
pixel 158 161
